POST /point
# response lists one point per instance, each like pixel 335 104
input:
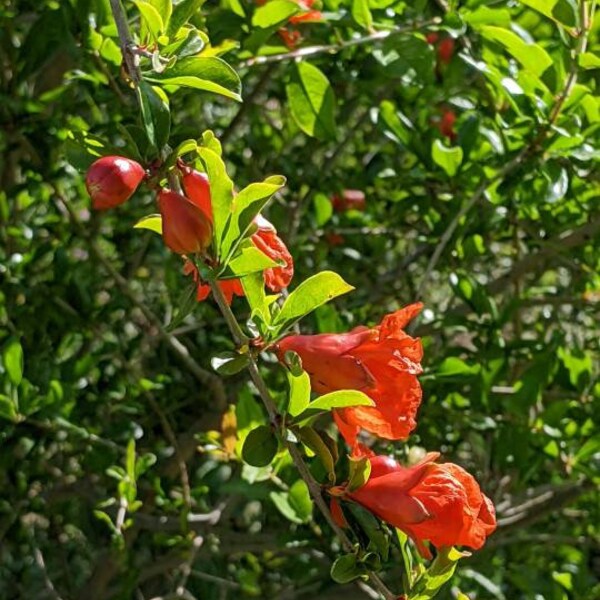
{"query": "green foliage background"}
pixel 496 233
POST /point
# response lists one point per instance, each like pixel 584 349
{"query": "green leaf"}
pixel 260 447
pixel 299 392
pixel 8 410
pixel 313 440
pixel 589 60
pixel 323 209
pixel 274 13
pixel 439 572
pixel 340 399
pixel 346 569
pixel 185 305
pixel 300 500
pixel 295 505
pixel 248 260
pixel 378 539
pixel 397 122
pixel 452 366
pixel 246 205
pixel 181 15
pixel 532 56
pixel 360 470
pixel 449 159
pixel 254 290
pixel 312 101
pixel 210 74
pixel 229 363
pixel 221 192
pixel 156 115
pixel 561 11
pixel 484 15
pixel 310 294
pixel 151 17
pixel 150 222
pixel 12 358
pixel 164 8
pixel 361 13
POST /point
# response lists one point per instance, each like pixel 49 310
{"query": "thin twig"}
pixel 184 475
pixel 130 59
pixel 334 48
pixel 211 381
pixel 313 487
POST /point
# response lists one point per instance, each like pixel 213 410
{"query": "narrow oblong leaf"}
pixel 312 101
pixel 247 204
pixel 299 392
pixel 182 13
pixel 12 358
pixel 151 17
pixel 221 192
pixel 361 13
pixel 156 115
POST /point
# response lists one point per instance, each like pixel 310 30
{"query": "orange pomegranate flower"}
pixel 439 503
pixel 383 362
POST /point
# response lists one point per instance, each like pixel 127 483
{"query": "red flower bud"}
pixel 439 503
pixel 383 362
pixel 432 38
pixel 446 124
pixel 197 189
pixel 349 200
pixel 445 50
pixel 186 229
pixel 112 180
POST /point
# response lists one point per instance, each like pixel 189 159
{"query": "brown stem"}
pixel 313 486
pixel 130 59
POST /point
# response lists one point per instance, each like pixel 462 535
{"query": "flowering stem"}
pixel 313 486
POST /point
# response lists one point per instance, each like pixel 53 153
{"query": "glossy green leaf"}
pixel 150 222
pixel 299 393
pixel 313 440
pixel 532 56
pixel 346 569
pixel 449 159
pixel 312 101
pixel 275 12
pixel 310 294
pixel 210 74
pixel 260 447
pixel 221 192
pixel 12 359
pixel 361 13
pixel 561 11
pixel 247 204
pixel 439 572
pixel 156 115
pixel 181 14
pixel 151 17
pixel 229 363
pixel 359 472
pixel 164 8
pixel 248 260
